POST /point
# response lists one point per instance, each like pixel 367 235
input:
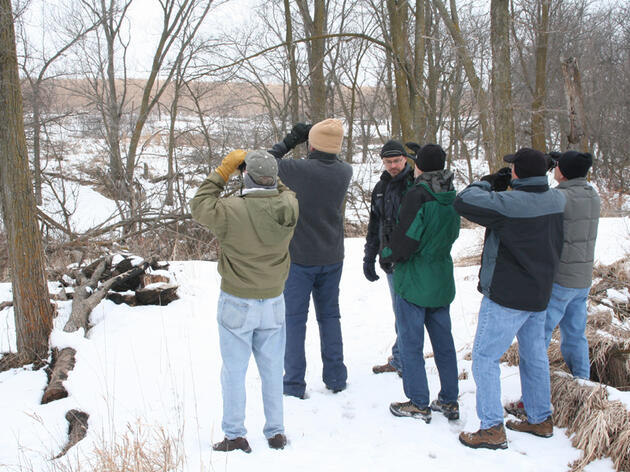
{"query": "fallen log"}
pixel 63 362
pixel 77 429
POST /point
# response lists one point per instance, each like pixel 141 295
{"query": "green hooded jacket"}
pixel 254 231
pixel 421 242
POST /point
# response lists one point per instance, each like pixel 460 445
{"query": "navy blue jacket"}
pixel 523 241
pixel 320 183
pixel 385 203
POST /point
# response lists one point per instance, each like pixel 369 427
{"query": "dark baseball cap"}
pixel 527 163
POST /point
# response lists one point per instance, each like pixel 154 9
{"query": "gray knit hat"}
pixel 261 164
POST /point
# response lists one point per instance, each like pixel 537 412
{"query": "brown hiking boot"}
pixel 410 410
pixel 491 438
pixel 544 429
pixel 232 444
pixel 381 369
pixel 278 441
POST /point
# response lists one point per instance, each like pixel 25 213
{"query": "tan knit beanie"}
pixel 326 136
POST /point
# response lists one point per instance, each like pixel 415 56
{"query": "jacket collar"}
pixel 315 154
pixel 531 184
pixel 577 182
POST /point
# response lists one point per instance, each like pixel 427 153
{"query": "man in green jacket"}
pixel 420 248
pixel 254 230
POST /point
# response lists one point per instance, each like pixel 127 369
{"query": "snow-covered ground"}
pixel 157 369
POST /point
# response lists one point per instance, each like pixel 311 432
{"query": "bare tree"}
pixel 32 308
pixel 501 82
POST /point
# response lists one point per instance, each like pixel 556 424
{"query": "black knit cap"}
pixel 527 163
pixel 574 164
pixel 392 149
pixel 430 157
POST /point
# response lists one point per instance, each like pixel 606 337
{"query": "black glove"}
pixel 552 159
pixel 388 267
pixel 297 135
pixel 415 147
pixel 500 180
pixel 369 270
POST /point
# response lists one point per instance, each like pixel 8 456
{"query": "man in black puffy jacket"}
pixel 385 202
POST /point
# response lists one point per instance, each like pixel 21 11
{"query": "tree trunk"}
pixel 31 304
pixel 316 28
pixel 473 79
pixel 294 97
pixel 501 83
pixel 418 107
pixel 397 12
pixel 540 91
pixel 577 138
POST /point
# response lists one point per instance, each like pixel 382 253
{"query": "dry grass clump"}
pixel 596 425
pixel 139 451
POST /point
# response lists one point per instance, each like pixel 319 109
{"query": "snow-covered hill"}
pixel 148 371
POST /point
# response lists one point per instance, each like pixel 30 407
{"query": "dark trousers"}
pixel 323 283
pixel 411 320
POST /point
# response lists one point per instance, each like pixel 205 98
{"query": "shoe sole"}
pixel 409 415
pixel 485 445
pixel 529 432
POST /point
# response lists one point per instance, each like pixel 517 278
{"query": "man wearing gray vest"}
pixel 572 283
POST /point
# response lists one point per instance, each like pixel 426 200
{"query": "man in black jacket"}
pixel 320 182
pixel 385 202
pixel 520 256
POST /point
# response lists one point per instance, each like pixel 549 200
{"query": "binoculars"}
pixel 552 159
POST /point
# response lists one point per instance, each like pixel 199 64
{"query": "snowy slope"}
pixel 157 368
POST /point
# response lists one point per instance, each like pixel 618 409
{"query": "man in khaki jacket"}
pixel 254 230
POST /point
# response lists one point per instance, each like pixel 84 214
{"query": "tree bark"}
pixel 397 12
pixel 540 89
pixel 294 96
pixel 501 83
pixel 577 137
pixel 33 311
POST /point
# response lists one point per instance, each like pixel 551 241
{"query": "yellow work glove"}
pixel 230 163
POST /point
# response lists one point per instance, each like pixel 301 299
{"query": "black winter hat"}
pixel 430 157
pixel 528 163
pixel 392 149
pixel 574 164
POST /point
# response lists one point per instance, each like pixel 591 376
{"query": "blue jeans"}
pixel 395 362
pixel 251 325
pixel 496 328
pixel 411 320
pixel 567 306
pixel 323 282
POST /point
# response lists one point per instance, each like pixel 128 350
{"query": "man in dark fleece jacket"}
pixel 320 182
pixel 384 206
pixel 520 256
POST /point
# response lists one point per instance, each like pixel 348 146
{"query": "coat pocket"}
pixel 232 312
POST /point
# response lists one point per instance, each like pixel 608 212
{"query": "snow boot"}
pixel 516 408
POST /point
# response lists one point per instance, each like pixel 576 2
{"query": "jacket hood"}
pixel 537 183
pixel 273 219
pixel 437 181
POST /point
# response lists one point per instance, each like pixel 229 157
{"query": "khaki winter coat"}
pixel 254 231
pixel 581 218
